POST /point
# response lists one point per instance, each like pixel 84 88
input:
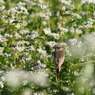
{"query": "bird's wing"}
pixel 59 57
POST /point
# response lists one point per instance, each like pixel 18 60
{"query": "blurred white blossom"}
pixel 47 30
pixel 1 85
pixel 1 50
pixel 27 91
pixel 51 43
pixel 16 78
pixel 24 31
pixel 2 1
pixel 40 50
pixel 18 10
pixel 34 35
pixel 87 1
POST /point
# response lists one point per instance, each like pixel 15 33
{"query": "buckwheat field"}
pixel 29 29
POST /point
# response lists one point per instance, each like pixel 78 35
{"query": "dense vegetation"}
pixel 28 31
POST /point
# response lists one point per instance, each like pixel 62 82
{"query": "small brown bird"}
pixel 58 57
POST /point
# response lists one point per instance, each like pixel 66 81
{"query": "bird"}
pixel 58 57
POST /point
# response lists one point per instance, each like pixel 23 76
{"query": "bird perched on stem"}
pixel 58 57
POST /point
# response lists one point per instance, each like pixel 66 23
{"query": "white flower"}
pixel 3 78
pixel 21 4
pixel 40 50
pixel 51 43
pixel 40 64
pixel 19 48
pixel 72 30
pixel 1 85
pixel 17 78
pixel 73 41
pixel 25 82
pixel 18 25
pixel 80 44
pixel 78 31
pixel 76 15
pixel 44 22
pixel 31 48
pixel 33 36
pixel 47 30
pixel 27 91
pixel 2 39
pixel 2 8
pixel 1 50
pixel 66 88
pixel 87 1
pixel 2 1
pixel 67 2
pixel 22 43
pixel 40 78
pixel 18 10
pixel 55 35
pixel 24 31
pixel 6 54
pixel 43 6
pixel 8 35
pixel 13 78
pixel 17 35
pixel 63 29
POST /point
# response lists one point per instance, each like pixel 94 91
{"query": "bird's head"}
pixel 58 46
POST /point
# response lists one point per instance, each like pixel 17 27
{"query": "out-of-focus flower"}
pixel 33 36
pixel 1 85
pixel 22 43
pixel 40 50
pixel 43 6
pixel 13 78
pixel 67 2
pixel 39 66
pixel 21 4
pixel 31 48
pixel 18 10
pixel 2 38
pixel 87 1
pixel 17 35
pixel 19 48
pixel 73 41
pixel 2 8
pixel 47 30
pixel 51 43
pixel 40 78
pixel 27 91
pixel 8 35
pixel 1 50
pixel 94 90
pixel 25 82
pixel 66 88
pixel 89 23
pixel 2 1
pixel 24 31
pixel 78 31
pixel 44 22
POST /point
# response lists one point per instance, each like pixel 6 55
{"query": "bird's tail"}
pixel 57 72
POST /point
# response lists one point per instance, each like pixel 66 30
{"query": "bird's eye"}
pixel 58 47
